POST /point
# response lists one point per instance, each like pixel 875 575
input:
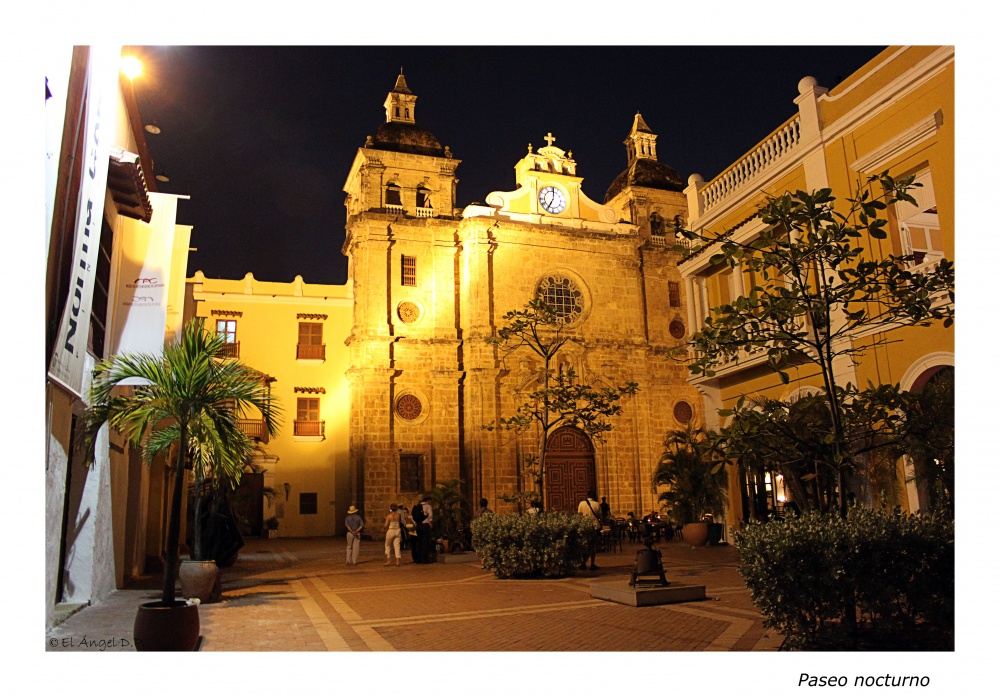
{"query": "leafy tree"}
pixel 693 470
pixel 816 289
pixel 215 460
pixel 451 511
pixel 190 397
pixel 796 440
pixel 561 398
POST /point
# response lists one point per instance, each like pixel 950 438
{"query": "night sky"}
pixel 262 138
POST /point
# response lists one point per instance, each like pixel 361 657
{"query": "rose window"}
pixel 563 296
pixel 409 407
pixel 408 312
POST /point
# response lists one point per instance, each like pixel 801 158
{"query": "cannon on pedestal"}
pixel 648 562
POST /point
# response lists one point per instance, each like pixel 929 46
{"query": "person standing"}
pixel 605 510
pixel 392 529
pixel 484 507
pixel 355 524
pixel 418 517
pixel 592 510
pixel 424 531
pixel 409 528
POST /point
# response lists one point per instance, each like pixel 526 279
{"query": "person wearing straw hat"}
pixel 354 524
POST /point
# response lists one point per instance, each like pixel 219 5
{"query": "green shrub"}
pixel 547 544
pixel 894 572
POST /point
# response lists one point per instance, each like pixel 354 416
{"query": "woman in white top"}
pixel 392 533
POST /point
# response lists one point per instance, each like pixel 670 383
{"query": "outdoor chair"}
pixel 616 537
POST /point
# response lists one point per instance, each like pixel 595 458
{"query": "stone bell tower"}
pixel 404 342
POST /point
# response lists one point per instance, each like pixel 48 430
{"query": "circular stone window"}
pixel 683 412
pixel 409 407
pixel 408 312
pixel 677 329
pixel 564 297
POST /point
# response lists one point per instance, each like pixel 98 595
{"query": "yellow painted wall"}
pixel 267 331
pixel 896 113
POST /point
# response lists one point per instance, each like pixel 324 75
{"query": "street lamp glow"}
pixel 131 66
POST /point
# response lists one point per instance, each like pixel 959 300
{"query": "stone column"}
pixel 694 319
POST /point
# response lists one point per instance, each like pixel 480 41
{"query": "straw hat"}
pixel 352 510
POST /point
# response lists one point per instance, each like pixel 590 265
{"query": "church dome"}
pixel 400 136
pixel 648 173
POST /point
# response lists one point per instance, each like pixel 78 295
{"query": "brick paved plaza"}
pixel 299 595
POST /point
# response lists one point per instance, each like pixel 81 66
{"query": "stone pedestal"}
pixel 619 592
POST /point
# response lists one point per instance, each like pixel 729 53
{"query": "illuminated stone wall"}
pixel 424 382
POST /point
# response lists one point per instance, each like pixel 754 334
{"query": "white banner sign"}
pixel 102 95
pixel 147 279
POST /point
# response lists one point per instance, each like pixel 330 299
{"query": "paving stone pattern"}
pixel 299 595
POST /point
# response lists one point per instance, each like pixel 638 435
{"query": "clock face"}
pixel 552 199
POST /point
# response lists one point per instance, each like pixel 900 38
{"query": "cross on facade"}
pixel 549 138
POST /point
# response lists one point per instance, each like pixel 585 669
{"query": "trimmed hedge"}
pixel 523 546
pixel 896 572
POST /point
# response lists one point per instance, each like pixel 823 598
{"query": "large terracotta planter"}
pixel 160 627
pixel 695 534
pixel 199 579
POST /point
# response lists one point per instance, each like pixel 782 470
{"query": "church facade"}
pixel 431 283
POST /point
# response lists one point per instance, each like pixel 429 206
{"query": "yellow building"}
pixel 293 334
pixel 896 113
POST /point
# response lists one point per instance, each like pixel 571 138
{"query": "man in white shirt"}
pixel 591 509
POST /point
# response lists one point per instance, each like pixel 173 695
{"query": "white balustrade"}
pixel 669 241
pixel 770 151
pixel 425 212
pixel 392 208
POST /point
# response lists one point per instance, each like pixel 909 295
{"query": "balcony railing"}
pixel 425 212
pixel 230 350
pixel 393 208
pixel 670 241
pixel 254 428
pixel 311 351
pixel 761 158
pixel 310 428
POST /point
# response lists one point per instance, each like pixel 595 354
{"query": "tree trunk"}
pixel 174 528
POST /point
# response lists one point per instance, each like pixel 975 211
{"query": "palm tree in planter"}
pixel 216 460
pixel 695 476
pixel 188 392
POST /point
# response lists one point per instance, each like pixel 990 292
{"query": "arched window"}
pixel 397 111
pixel 656 225
pixel 393 195
pixel 423 197
pixel 406 113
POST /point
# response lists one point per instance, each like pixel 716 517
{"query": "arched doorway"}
pixel 929 469
pixel 569 469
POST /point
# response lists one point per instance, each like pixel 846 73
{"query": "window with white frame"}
pixel 919 228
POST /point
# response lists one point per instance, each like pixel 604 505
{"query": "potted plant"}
pixel 213 534
pixel 271 525
pixel 696 481
pixel 187 392
pixel 451 515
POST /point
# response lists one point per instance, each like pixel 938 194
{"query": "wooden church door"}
pixel 569 469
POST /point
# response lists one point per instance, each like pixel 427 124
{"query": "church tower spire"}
pixel 401 103
pixel 641 141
